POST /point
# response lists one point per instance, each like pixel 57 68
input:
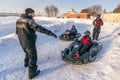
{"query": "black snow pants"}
pixel 28 44
pixel 30 56
pixel 83 49
pixel 96 32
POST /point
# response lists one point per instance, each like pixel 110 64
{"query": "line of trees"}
pixel 52 11
pixel 97 9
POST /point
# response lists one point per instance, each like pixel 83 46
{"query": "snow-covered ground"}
pixel 106 67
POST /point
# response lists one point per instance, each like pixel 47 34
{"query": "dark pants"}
pixel 30 56
pixel 28 44
pixel 72 34
pixel 83 49
pixel 96 32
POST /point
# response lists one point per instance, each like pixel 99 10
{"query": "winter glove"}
pixel 76 40
pixel 52 34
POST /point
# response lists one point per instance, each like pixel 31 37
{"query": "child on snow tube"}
pixel 73 31
pixel 86 44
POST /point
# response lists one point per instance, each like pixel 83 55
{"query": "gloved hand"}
pixel 76 40
pixel 53 35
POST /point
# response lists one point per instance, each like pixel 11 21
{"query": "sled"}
pixel 69 38
pixel 89 56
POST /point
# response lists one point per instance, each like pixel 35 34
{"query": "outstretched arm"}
pixel 39 28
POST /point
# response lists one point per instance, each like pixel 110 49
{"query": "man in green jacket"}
pixel 26 29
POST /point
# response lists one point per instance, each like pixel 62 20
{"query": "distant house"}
pixel 77 15
pixel 72 14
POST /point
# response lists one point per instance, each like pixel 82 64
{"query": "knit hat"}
pixel 29 10
pixel 87 32
pixel 98 16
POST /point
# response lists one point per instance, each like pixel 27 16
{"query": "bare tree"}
pixel 51 11
pixel 97 9
pixel 117 9
pixel 55 11
pixel 47 11
pixel 92 10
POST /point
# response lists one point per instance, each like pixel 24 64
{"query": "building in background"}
pixel 73 14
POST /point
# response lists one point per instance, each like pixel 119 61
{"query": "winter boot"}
pixel 26 60
pixel 33 72
pixel 26 65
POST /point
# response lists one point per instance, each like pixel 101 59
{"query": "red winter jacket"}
pixel 98 22
pixel 86 40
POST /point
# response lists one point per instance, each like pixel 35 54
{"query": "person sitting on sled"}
pixel 66 33
pixel 86 44
pixel 73 31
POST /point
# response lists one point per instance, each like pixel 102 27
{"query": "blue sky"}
pixel 63 5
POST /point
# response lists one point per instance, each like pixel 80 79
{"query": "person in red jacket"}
pixel 96 31
pixel 86 42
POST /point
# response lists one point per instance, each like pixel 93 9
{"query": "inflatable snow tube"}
pixel 89 56
pixel 69 38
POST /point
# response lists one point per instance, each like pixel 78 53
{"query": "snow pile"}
pixel 106 67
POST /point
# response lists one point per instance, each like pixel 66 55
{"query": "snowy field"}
pixel 106 67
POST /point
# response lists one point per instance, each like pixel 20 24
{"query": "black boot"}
pixel 26 60
pixel 26 65
pixel 33 72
